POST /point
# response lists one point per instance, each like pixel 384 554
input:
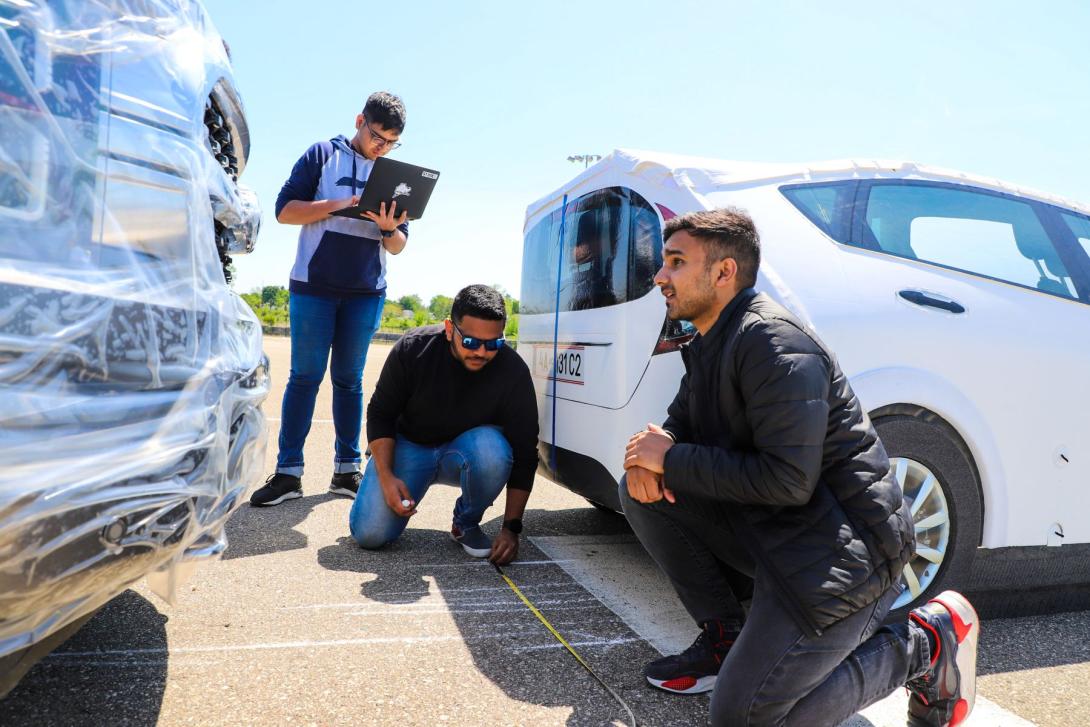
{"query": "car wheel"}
pixel 936 472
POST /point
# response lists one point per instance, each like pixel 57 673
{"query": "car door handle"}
pixel 930 300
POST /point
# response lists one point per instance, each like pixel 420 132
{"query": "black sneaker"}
pixel 945 695
pixel 346 483
pixel 473 540
pixel 278 487
pixel 694 670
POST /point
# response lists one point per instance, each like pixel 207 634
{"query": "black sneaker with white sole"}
pixel 346 483
pixel 473 540
pixel 694 670
pixel 278 487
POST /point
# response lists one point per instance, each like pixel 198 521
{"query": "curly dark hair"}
pixel 386 110
pixel 479 301
pixel 727 232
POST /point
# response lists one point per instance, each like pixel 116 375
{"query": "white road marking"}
pixel 579 644
pixel 552 588
pixel 510 569
pixel 515 608
pixel 94 657
pixel 309 644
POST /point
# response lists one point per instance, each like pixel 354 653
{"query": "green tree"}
pixel 411 302
pixel 275 296
pixel 439 307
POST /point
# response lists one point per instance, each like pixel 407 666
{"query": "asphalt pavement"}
pixel 298 626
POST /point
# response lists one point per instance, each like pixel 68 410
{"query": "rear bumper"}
pixel 579 473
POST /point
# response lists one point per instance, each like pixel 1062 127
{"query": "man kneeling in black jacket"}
pixel 767 481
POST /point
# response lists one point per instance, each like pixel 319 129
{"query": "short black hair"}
pixel 479 301
pixel 727 232
pixel 386 110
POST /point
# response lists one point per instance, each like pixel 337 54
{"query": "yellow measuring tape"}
pixel 573 652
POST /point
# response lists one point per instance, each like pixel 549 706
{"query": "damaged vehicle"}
pixel 131 375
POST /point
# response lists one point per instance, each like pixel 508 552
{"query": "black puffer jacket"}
pixel 771 435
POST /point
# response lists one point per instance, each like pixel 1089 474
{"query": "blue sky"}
pixel 499 94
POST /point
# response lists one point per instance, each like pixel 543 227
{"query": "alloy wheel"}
pixel 931 521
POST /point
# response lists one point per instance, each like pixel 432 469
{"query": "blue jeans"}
pixel 320 325
pixel 477 460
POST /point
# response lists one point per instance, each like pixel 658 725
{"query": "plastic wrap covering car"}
pixel 131 376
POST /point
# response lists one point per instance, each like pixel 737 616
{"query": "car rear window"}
pixel 828 206
pixel 612 246
pixel 1080 228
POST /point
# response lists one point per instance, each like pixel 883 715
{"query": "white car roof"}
pixel 703 175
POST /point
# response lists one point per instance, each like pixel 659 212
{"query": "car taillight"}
pixel 665 211
pixel 674 335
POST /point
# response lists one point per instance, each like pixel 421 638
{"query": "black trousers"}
pixel 776 673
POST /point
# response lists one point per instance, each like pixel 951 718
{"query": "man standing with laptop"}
pixel 338 288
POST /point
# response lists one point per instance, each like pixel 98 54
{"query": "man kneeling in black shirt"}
pixel 452 405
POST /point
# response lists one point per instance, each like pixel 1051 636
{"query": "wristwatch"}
pixel 514 525
pixel 387 233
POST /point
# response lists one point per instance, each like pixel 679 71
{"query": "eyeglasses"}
pixel 382 141
pixel 472 343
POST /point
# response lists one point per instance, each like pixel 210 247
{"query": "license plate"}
pixel 569 364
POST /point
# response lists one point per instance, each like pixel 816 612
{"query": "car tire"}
pixel 918 443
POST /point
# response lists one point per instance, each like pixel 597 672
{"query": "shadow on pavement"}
pixel 262 530
pixel 577 521
pixel 507 644
pixel 58 689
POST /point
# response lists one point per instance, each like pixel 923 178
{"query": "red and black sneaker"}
pixel 945 694
pixel 694 670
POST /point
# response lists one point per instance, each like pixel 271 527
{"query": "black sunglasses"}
pixel 490 344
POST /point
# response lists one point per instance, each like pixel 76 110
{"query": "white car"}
pixel 959 308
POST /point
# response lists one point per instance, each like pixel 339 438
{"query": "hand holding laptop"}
pixel 387 219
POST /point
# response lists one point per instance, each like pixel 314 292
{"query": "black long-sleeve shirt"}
pixel 427 396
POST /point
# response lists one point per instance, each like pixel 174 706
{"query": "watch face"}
pixel 515 526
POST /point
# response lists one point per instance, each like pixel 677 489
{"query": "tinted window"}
pixel 1080 228
pixel 612 248
pixel 973 231
pixel 826 205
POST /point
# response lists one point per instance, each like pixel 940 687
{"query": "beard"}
pixel 465 360
pixel 692 305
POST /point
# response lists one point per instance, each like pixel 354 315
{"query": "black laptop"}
pixel 393 181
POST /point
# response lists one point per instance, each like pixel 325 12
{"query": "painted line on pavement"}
pixel 444 592
pixel 486 564
pixel 89 656
pixel 395 612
